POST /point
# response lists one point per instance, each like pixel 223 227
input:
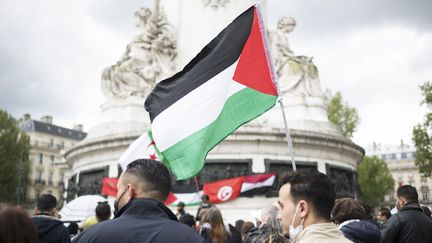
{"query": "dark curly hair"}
pixel 313 187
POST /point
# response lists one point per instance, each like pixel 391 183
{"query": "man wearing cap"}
pixel 180 209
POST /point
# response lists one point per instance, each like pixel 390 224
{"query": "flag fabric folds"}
pixel 218 191
pixel 142 148
pixel 229 83
pixel 170 199
pixel 189 199
pixel 223 190
pixel 257 182
pixel 109 186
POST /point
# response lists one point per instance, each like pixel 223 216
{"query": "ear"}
pixel 53 211
pixel 130 191
pixel 403 201
pixel 304 208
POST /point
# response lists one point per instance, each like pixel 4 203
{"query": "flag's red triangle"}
pixel 253 66
pixel 170 199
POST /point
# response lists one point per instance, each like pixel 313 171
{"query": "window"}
pixel 383 156
pixel 38 194
pixel 51 144
pixel 425 197
pixel 40 158
pixel 403 155
pixel 52 159
pixel 50 177
pixel 39 176
pixel 393 156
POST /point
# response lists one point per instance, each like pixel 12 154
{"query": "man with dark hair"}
pixel 188 220
pixel 306 199
pixel 103 211
pixel 49 228
pixel 383 216
pixel 141 215
pixel 180 209
pixel 409 224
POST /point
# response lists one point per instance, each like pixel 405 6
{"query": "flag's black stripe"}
pixel 216 56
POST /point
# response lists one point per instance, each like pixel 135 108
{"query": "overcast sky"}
pixel 376 53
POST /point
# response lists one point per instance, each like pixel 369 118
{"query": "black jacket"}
pixel 50 230
pixel 361 231
pixel 408 225
pixel 141 220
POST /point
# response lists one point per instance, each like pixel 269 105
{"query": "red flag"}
pixel 170 199
pixel 109 186
pixel 222 191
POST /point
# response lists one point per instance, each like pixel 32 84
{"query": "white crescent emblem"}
pixel 225 193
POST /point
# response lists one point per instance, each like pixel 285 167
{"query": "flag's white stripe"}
pixel 249 186
pixel 188 198
pixel 195 110
pixel 138 149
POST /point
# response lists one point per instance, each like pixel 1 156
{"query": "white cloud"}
pixel 378 71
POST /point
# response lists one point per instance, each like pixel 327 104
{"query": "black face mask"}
pixel 116 208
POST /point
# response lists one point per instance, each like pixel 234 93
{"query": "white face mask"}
pixel 294 231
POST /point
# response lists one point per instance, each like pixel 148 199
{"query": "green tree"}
pixel 375 180
pixel 341 113
pixel 14 146
pixel 421 134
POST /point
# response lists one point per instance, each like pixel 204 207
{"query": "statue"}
pixel 148 58
pixel 215 4
pixel 297 74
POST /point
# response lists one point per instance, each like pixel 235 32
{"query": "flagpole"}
pixel 196 183
pixel 276 83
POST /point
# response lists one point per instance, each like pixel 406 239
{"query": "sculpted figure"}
pixel 297 74
pixel 215 4
pixel 148 57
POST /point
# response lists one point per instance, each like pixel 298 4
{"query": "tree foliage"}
pixel 341 113
pixel 421 134
pixel 375 180
pixel 14 147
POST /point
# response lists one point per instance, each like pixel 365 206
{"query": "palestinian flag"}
pixel 189 199
pixel 229 83
pixel 142 148
pixel 189 194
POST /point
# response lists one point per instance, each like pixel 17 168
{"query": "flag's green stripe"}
pixel 187 204
pixel 186 158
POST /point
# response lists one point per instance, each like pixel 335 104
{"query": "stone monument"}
pixel 170 37
pixel 148 58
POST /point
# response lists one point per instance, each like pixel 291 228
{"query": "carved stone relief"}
pixel 148 57
pixel 215 4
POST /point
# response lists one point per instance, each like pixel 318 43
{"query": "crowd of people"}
pixel 306 210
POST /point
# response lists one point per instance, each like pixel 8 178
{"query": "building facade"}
pixel 401 164
pixel 47 166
